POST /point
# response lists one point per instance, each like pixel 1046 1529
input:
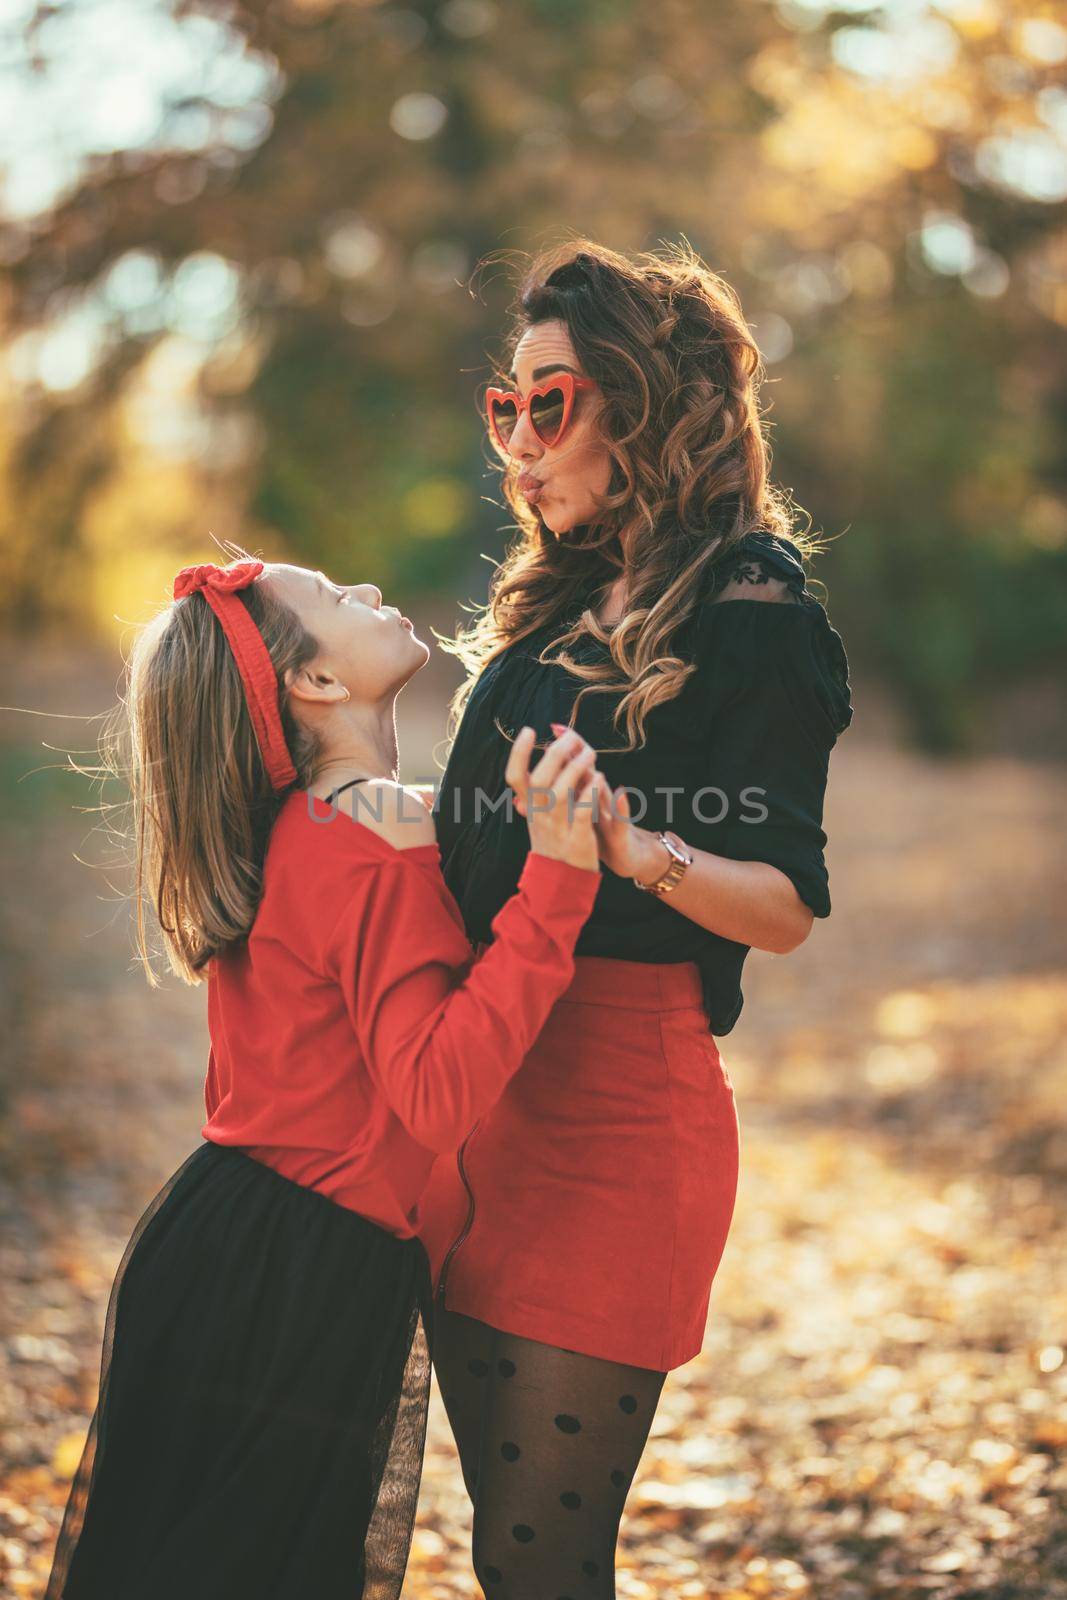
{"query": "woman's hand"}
pixel 556 797
pixel 625 848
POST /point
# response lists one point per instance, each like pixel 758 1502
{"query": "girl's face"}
pixel 366 647
pixel 561 480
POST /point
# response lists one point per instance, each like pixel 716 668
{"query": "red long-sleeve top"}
pixel 353 1034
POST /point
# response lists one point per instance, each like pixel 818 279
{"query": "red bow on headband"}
pixel 225 579
pixel 219 586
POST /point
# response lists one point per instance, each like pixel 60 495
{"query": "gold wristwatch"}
pixel 680 859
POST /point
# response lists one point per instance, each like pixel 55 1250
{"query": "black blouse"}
pixel 744 748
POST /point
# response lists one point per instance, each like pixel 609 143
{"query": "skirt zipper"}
pixel 458 1240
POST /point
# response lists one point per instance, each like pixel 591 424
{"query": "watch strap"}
pixel 681 859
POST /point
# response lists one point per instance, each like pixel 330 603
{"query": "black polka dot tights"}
pixel 549 1441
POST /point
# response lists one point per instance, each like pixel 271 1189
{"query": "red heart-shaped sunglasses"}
pixel 549 405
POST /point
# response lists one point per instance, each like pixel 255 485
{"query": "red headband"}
pixel 218 585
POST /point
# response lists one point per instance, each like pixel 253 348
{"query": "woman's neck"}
pixel 613 606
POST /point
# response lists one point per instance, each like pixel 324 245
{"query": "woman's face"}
pixel 561 480
pixel 368 647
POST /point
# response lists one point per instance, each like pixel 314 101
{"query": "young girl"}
pixel 265 1375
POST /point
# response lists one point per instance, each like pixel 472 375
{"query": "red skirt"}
pixel 590 1207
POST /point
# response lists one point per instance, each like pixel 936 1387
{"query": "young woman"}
pixel 262 1407
pixel 655 602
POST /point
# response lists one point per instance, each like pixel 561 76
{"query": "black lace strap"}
pixel 772 554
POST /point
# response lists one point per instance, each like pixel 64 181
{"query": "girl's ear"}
pixel 297 684
pixel 315 685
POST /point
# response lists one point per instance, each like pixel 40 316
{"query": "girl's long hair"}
pixel 667 343
pixel 201 806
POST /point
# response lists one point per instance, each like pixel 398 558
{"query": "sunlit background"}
pixel 255 261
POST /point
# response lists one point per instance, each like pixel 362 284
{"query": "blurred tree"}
pixel 270 293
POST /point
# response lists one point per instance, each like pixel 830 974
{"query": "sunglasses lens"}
pixel 546 414
pixel 504 414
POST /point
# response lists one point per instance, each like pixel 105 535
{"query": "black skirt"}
pixel 261 1420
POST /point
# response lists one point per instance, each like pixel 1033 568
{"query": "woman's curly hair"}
pixel 666 341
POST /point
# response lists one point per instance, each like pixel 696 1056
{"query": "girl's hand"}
pixel 556 797
pixel 625 848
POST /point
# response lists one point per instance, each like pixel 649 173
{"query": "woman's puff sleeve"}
pixel 777 699
pixel 441 1032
